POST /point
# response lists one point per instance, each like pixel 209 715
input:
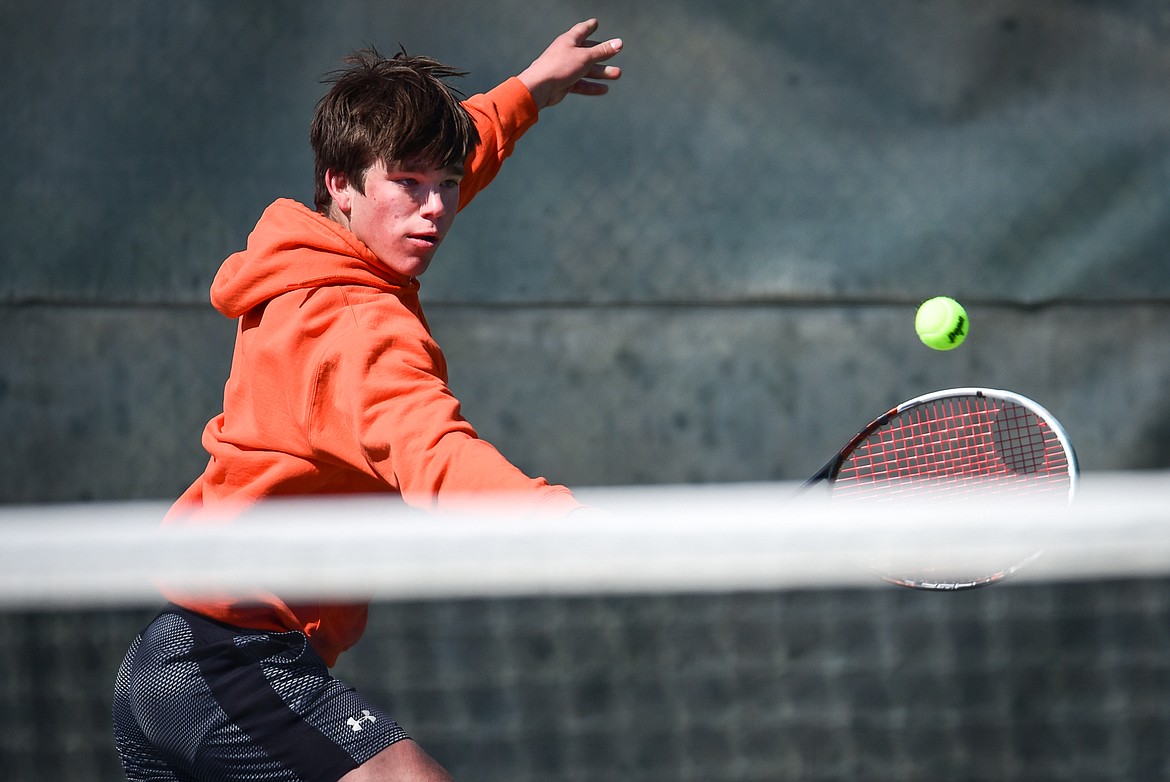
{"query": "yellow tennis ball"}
pixel 942 323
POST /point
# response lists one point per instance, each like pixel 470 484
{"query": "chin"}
pixel 410 267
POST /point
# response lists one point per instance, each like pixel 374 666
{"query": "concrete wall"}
pixel 709 275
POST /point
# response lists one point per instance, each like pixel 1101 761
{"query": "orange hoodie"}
pixel 337 387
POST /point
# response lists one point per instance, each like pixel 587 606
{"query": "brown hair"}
pixel 397 110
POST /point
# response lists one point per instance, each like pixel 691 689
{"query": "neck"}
pixel 336 215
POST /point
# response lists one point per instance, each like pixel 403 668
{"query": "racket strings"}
pixel 958 445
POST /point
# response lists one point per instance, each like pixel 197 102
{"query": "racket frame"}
pixel 829 472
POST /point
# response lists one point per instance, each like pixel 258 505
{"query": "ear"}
pixel 340 189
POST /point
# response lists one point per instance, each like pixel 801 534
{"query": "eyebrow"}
pixel 456 169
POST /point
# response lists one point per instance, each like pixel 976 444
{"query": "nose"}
pixel 433 205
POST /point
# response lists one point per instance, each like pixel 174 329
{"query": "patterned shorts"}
pixel 199 700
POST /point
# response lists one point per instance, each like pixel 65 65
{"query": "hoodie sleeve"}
pixel 501 116
pixel 386 383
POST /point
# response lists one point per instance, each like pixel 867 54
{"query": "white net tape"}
pixel 662 539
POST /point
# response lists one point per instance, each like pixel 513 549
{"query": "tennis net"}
pixel 713 633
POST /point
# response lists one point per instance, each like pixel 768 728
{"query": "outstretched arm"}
pixel 572 64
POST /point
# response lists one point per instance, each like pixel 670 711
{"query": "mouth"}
pixel 427 239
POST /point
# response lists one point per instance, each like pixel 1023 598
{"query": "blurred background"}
pixel 709 275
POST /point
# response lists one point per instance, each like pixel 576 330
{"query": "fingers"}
pixel 589 88
pixel 608 72
pixel 599 52
pixel 581 31
pixel 595 53
pixel 573 63
pixel 588 84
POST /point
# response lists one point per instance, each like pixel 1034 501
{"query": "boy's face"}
pixel 404 213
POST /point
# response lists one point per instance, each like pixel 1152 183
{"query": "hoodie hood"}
pixel 292 247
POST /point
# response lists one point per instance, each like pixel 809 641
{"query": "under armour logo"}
pixel 356 722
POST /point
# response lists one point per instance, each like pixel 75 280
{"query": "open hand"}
pixel 572 64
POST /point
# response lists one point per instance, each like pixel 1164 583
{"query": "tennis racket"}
pixel 949 446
